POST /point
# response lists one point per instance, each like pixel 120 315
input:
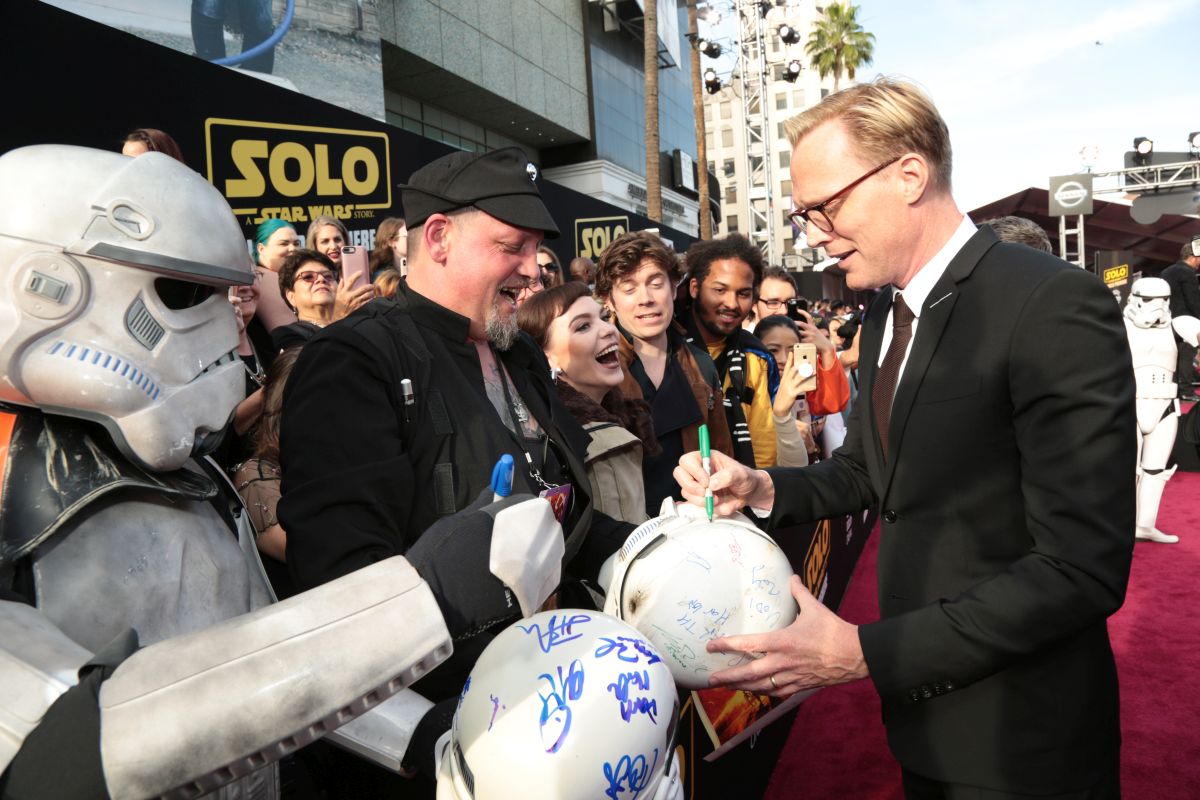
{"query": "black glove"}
pixel 454 555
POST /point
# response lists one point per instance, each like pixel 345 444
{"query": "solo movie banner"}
pixel 272 151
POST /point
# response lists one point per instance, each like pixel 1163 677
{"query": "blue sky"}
pixel 1024 86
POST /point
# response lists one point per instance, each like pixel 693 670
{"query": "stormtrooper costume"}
pixel 141 652
pixel 1149 325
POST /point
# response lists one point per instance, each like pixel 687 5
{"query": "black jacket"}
pixel 1185 290
pixel 365 474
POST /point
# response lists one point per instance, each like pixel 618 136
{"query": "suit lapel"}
pixel 935 314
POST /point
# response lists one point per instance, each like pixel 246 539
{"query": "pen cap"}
pixel 502 476
pixel 704 445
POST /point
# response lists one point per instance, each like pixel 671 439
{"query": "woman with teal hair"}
pixel 275 240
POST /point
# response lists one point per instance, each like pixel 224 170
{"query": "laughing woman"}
pixel 582 350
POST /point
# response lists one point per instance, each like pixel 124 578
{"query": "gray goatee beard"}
pixel 500 331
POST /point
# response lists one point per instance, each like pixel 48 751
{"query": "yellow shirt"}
pixel 758 412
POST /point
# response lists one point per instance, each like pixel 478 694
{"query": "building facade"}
pixel 563 79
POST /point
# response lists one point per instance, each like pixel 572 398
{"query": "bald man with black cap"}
pixel 394 417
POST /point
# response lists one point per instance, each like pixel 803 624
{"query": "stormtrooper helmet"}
pixel 114 304
pixel 1149 304
pixel 683 581
pixel 568 704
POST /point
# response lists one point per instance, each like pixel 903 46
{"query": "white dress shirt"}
pixel 918 289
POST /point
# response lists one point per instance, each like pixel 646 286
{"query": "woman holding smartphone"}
pixel 636 280
pixel 328 236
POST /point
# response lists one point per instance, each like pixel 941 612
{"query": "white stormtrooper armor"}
pixel 1151 332
pixel 683 581
pixel 566 705
pixel 114 317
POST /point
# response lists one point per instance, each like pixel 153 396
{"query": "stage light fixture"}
pixel 788 34
pixel 763 7
pixel 792 71
pixel 708 48
pixel 711 82
pixel 1194 143
pixel 709 14
pixel 1142 148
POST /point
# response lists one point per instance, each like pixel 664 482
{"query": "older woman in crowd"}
pixel 308 283
pixel 636 281
pixel 583 354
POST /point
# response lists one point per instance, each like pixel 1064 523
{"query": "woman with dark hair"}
pixel 151 140
pixel 308 283
pixel 258 478
pixel 636 281
pixel 582 350
pixel 792 411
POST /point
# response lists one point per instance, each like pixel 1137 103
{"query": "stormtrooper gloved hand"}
pixel 490 562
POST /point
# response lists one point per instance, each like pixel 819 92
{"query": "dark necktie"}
pixel 884 389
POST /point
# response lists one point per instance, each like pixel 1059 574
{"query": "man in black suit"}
pixel 1004 472
pixel 1185 301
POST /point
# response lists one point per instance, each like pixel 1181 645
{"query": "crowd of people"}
pixel 377 409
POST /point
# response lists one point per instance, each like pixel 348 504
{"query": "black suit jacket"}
pixel 1007 521
pixel 1185 289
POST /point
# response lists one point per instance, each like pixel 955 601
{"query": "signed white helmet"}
pixel 1149 304
pixel 567 704
pixel 115 272
pixel 683 581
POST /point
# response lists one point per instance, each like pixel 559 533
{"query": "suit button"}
pixel 949 686
pixel 914 695
pixel 926 692
pixel 889 516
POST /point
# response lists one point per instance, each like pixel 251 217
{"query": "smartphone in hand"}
pixel 804 361
pixel 354 262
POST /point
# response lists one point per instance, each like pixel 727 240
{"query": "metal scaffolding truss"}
pixel 756 155
pixel 1148 179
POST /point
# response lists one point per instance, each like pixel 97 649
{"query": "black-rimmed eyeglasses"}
pixel 817 214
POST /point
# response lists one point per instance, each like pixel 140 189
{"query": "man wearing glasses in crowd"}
pixel 995 431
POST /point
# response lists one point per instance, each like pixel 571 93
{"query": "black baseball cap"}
pixel 500 182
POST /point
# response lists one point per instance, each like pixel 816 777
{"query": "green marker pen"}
pixel 706 462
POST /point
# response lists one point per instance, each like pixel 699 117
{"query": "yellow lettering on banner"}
pixel 343 212
pixel 291 151
pixel 360 155
pixel 326 184
pixel 251 184
pixel 816 560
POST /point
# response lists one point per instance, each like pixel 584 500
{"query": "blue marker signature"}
pixel 627 643
pixel 496 706
pixel 766 584
pixel 555 720
pixel 466 688
pixel 631 774
pixel 638 705
pixel 557 632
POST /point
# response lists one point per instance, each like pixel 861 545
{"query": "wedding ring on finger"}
pixel 773 683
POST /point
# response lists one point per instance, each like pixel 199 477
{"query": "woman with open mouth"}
pixel 582 349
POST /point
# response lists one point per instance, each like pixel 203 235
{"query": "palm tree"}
pixel 838 44
pixel 650 63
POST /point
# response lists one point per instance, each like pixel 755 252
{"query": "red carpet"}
pixel 837 747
